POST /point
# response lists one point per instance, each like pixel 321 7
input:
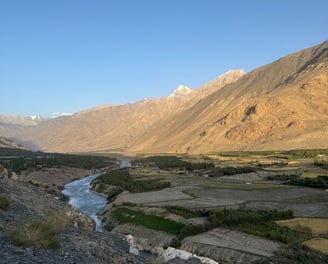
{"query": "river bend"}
pixel 85 200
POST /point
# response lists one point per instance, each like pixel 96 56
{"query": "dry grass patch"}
pixel 4 202
pixel 319 244
pixel 40 233
pixel 318 226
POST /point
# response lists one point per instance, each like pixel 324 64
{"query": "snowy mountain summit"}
pixel 181 90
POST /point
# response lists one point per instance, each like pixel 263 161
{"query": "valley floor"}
pixel 36 195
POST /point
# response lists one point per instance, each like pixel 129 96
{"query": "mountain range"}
pixel 282 105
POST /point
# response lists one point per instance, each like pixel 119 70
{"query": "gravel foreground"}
pixel 79 245
pixel 27 203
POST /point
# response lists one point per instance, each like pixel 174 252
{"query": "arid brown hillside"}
pixel 114 127
pixel 12 124
pixel 7 143
pixel 283 105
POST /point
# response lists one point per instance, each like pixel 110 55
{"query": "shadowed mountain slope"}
pixel 114 127
pixel 283 105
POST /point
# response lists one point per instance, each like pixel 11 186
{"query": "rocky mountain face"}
pixel 115 127
pixel 12 124
pixel 7 143
pixel 283 105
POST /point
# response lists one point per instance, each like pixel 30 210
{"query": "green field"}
pixel 124 215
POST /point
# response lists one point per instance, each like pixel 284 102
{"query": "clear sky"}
pixel 70 55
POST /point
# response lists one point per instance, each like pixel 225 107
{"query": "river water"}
pixel 85 200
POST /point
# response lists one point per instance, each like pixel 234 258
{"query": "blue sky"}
pixel 70 55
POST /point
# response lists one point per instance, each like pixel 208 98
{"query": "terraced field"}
pixel 197 186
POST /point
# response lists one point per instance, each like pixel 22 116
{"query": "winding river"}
pixel 85 200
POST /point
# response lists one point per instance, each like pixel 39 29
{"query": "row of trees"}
pixel 296 179
pixel 221 171
pixel 259 222
pixel 229 217
pixel 172 162
pixel 275 232
pixel 123 179
pixel 21 163
pixel 318 182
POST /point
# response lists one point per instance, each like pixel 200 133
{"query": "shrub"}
pixel 36 233
pixel 40 233
pixel 4 202
pixel 192 230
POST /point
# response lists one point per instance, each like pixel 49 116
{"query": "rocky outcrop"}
pixel 282 105
pixel 172 253
pixel 166 255
pixel 147 239
pixel 81 220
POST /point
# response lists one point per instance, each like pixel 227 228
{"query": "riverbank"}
pixel 79 244
pixel 84 200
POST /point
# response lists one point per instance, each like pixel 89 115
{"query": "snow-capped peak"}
pixel 181 90
pixel 34 117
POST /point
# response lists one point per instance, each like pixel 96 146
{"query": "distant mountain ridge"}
pixel 7 143
pixel 282 105
pixel 181 90
pixel 114 127
pixel 12 124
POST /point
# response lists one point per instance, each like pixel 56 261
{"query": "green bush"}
pixel 192 230
pixel 4 202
